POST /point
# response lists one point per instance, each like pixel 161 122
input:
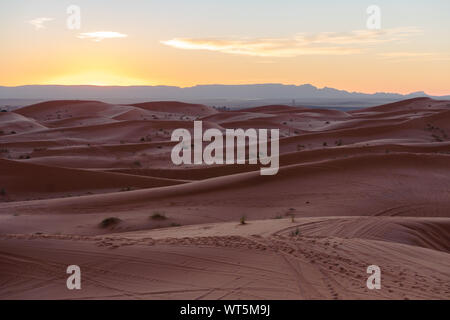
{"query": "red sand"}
pixel 370 186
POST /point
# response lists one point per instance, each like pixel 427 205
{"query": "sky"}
pixel 325 43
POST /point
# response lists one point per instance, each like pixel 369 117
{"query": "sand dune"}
pixel 24 180
pixel 274 109
pixel 234 116
pixel 223 262
pixel 78 122
pixel 55 110
pixel 410 104
pixel 369 186
pixel 186 109
pixel 432 233
pixel 387 181
pixel 12 123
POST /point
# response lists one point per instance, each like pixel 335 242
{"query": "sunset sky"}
pixel 185 43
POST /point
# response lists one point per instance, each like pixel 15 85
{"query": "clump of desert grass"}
pixel 158 216
pixel 110 222
pixel 295 233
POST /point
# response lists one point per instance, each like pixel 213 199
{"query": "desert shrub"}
pixel 158 216
pixel 137 163
pixel 242 220
pixel 437 138
pixel 295 233
pixel 110 222
pixel 2 192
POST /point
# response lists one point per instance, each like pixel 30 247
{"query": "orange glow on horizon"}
pixel 96 78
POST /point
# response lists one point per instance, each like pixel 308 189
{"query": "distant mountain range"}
pixel 231 95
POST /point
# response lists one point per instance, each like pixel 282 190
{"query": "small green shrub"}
pixel 137 163
pixel 110 222
pixel 158 216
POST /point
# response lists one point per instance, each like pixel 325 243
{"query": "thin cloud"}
pixel 38 23
pixel 324 43
pixel 101 35
pixel 260 47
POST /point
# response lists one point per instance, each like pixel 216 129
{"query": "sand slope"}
pixel 22 180
pixel 259 263
pixel 370 186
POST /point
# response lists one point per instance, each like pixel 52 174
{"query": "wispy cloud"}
pixel 101 35
pixel 259 47
pixel 38 23
pixel 324 43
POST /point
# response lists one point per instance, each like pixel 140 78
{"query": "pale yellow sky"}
pixel 175 43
